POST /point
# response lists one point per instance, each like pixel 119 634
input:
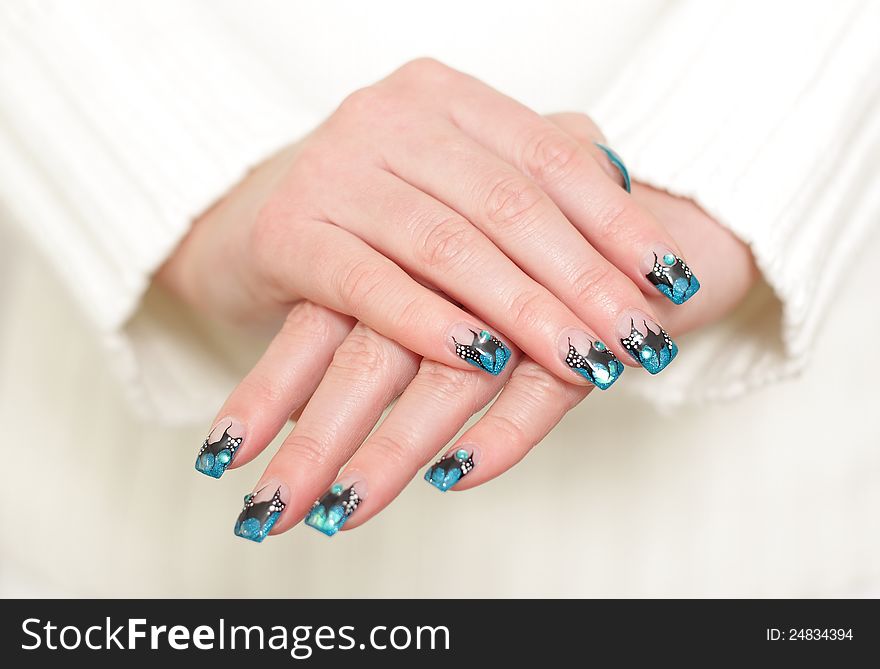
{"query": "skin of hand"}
pixel 337 378
pixel 431 182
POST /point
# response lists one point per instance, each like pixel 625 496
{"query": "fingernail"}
pixel 590 358
pixel 646 341
pixel 329 513
pixel 261 510
pixel 480 348
pixel 617 162
pixel 670 275
pixel 220 447
pixel 451 468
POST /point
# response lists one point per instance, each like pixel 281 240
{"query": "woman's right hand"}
pixel 337 381
pixel 426 182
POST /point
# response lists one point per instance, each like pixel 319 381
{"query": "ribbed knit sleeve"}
pixel 767 114
pixel 119 124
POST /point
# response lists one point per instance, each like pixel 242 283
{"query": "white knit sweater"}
pixel 121 122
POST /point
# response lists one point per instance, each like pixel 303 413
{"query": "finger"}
pixel 427 416
pixel 367 372
pixel 524 222
pixel 515 423
pixel 618 228
pixel 425 236
pixel 330 266
pixel 283 379
pixel 669 274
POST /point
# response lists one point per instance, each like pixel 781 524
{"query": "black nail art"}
pixel 486 352
pixel 599 366
pixel 329 513
pixel 653 350
pixel 673 278
pixel 214 458
pixel 258 517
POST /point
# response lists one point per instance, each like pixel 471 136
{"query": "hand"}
pixel 431 181
pixel 368 371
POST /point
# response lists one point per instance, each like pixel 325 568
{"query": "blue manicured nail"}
pixel 329 513
pixel 450 469
pixel 648 343
pixel 671 276
pixel 220 447
pixel 617 161
pixel 590 358
pixel 480 348
pixel 261 511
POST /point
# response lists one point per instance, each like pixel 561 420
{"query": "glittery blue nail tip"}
pixel 656 360
pixel 682 290
pixel 617 161
pixel 441 479
pixel 494 364
pixel 252 530
pixel 448 471
pixel 213 465
pixel 326 521
pixel 603 376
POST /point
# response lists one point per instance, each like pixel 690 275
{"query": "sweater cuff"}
pixel 152 133
pixel 120 128
pixel 777 146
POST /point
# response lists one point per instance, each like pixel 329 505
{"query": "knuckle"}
pixel 391 449
pixel 445 243
pixel 359 282
pixel 305 449
pixel 423 68
pixel 362 355
pixel 412 314
pixel 541 384
pixel 611 222
pixel 591 283
pixel 262 390
pixel 367 101
pixel 550 156
pixel 528 310
pixel 512 202
pixel 447 384
pixel 508 429
pixel 578 125
pixel 306 318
